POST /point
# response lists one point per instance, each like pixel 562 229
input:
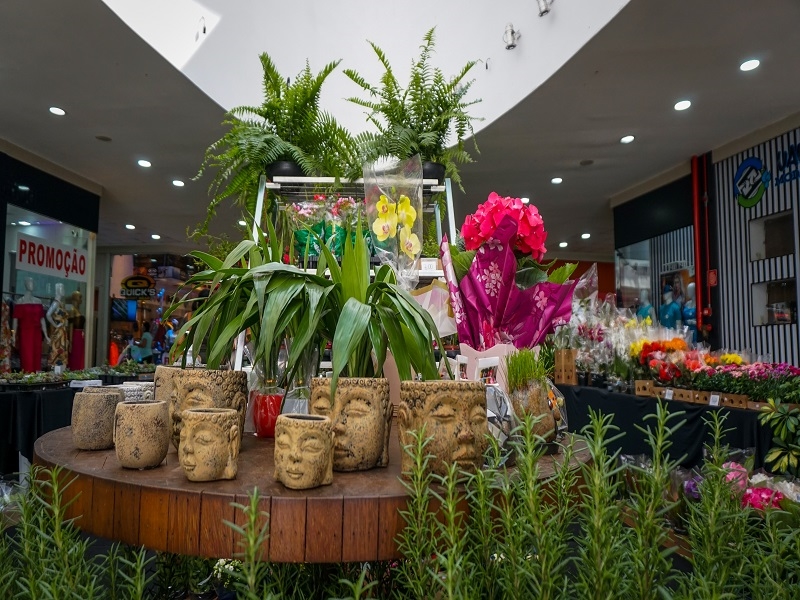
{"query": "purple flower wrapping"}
pixel 488 305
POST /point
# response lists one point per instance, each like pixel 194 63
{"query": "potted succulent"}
pixel 287 134
pixel 365 320
pixel 428 117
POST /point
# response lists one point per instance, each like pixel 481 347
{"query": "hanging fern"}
pixel 428 117
pixel 288 125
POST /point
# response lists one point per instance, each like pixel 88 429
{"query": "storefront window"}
pixel 45 274
pixel 633 275
pixel 142 288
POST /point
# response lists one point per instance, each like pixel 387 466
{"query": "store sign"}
pixel 138 286
pixel 36 255
pixel 753 178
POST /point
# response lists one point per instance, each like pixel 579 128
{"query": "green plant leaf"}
pixel 350 330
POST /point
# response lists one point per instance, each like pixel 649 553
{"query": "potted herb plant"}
pixel 365 320
pixel 287 134
pixel 526 379
pixel 429 116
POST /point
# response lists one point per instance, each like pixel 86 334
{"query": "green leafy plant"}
pixel 430 116
pixel 365 319
pixel 287 126
pixel 784 420
pixel 523 367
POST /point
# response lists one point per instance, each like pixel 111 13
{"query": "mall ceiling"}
pixel 81 57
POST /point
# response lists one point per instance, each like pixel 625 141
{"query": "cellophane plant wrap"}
pixel 393 198
pixel 499 291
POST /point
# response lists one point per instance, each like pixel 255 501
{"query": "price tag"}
pixel 713 400
pixel 668 394
pixel 428 265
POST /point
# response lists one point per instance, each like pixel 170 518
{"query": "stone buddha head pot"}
pixel 454 416
pixel 209 444
pixel 362 419
pixel 206 388
pixel 303 451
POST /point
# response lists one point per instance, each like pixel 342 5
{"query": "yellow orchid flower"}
pixel 385 228
pixel 385 207
pixel 406 214
pixel 409 242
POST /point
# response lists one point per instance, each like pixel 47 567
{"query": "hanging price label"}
pixel 713 400
pixel 668 394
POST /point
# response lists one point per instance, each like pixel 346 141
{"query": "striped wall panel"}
pixel 671 247
pixel 737 273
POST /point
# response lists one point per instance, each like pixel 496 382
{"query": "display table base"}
pixel 355 519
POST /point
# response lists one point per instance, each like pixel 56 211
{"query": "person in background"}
pixel 145 344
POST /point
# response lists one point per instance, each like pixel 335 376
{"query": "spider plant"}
pixel 429 117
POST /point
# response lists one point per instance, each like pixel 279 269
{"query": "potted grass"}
pixel 287 134
pixel 526 378
pixel 365 319
pixel 253 291
pixel 429 116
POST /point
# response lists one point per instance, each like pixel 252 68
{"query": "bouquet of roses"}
pixel 499 291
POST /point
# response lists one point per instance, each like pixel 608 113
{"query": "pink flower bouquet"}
pixel 498 290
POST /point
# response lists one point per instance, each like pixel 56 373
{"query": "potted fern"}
pixel 429 116
pixel 365 321
pixel 287 134
pixel 529 389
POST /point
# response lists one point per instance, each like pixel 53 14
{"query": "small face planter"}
pixel 141 433
pixel 202 388
pixel 209 447
pixel 534 400
pixel 303 451
pixel 138 390
pixel 361 417
pixel 454 416
pixel 93 417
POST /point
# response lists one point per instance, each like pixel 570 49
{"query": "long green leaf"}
pixel 350 330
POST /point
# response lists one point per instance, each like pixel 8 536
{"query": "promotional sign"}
pixel 36 255
pixel 138 286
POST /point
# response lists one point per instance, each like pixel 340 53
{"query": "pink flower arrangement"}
pixel 480 227
pixel 761 498
pixel 737 475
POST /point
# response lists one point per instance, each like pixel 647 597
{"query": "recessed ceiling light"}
pixel 242 223
pixel 177 183
pixel 626 139
pixel 24 223
pixel 144 163
pixel 525 200
pixel 586 236
pixel 13 223
pixel 23 188
pixel 556 180
pixel 749 65
pixel 563 245
pixel 129 226
pixel 683 104
pixel 155 236
pixel 153 260
pixel 58 111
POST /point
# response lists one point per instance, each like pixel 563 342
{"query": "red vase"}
pixel 266 408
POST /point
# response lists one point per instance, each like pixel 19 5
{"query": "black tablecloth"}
pixel 25 416
pixel 629 411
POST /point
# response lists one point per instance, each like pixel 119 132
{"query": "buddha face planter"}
pixel 209 444
pixel 141 433
pixel 362 418
pixel 202 388
pixel 454 415
pixel 303 451
pixel 93 417
pixel 164 382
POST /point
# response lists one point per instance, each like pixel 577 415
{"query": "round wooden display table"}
pixel 354 519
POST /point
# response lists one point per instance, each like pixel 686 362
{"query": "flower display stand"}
pixel 643 387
